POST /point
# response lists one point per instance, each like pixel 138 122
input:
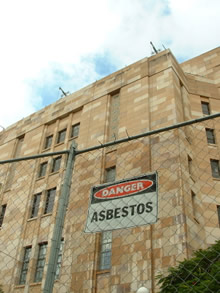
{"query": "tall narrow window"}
pixel 110 174
pixel 35 205
pixel 19 146
pixel 48 141
pixel 190 165
pixel 105 250
pixel 56 164
pixel 218 212
pixel 106 236
pixel 25 263
pixel 43 169
pixel 194 210
pixel 210 135
pixel 215 168
pixel 2 214
pixel 114 117
pixel 50 200
pixel 59 260
pixel 75 130
pixel 61 136
pixel 12 168
pixel 205 108
pixel 40 262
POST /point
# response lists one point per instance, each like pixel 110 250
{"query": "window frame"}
pixel 50 198
pixel 60 138
pixel 105 251
pixel 41 258
pixel 2 214
pixel 35 205
pixel 48 141
pixel 210 135
pixel 42 169
pixel 212 162
pixel 194 206
pixel 205 108
pixel 77 126
pixel 108 177
pixel 56 163
pixel 190 167
pixel 25 263
pixel 218 214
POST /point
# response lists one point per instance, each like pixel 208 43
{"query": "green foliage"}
pixel 198 274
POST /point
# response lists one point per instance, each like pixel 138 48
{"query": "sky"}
pixel 47 44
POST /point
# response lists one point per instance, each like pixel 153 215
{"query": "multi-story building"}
pixel 153 93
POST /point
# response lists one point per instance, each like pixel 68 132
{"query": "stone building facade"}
pixel 152 93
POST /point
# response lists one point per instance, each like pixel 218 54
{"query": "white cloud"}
pixel 52 43
pixel 193 27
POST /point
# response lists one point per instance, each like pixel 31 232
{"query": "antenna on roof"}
pixel 155 50
pixel 3 128
pixel 63 93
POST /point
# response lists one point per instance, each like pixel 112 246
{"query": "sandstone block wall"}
pixel 154 92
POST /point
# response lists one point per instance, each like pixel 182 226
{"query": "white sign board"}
pixel 123 204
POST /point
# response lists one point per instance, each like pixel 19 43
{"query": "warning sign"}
pixel 123 204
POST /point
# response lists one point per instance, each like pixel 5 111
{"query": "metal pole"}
pixel 59 223
pixel 149 133
pixel 34 157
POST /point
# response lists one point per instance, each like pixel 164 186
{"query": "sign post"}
pixel 123 204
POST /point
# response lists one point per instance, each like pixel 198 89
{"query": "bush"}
pixel 198 274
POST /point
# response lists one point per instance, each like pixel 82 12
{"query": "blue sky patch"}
pixel 104 65
pixel 166 9
pixel 47 87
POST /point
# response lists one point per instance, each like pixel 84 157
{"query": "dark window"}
pixel 114 113
pixel 106 236
pixel 56 164
pixel 35 205
pixel 75 130
pixel 210 135
pixel 215 168
pixel 50 200
pixel 59 260
pixel 19 145
pixel 12 168
pixel 48 141
pixel 43 168
pixel 61 136
pixel 205 108
pixel 40 262
pixel 110 174
pixel 105 250
pixel 190 165
pixel 2 214
pixel 25 263
pixel 194 209
pixel 218 211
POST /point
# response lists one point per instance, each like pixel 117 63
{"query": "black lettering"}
pixel 140 208
pixel 109 214
pixel 124 211
pixel 102 216
pixel 117 212
pixel 132 208
pixel 149 207
pixel 94 217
